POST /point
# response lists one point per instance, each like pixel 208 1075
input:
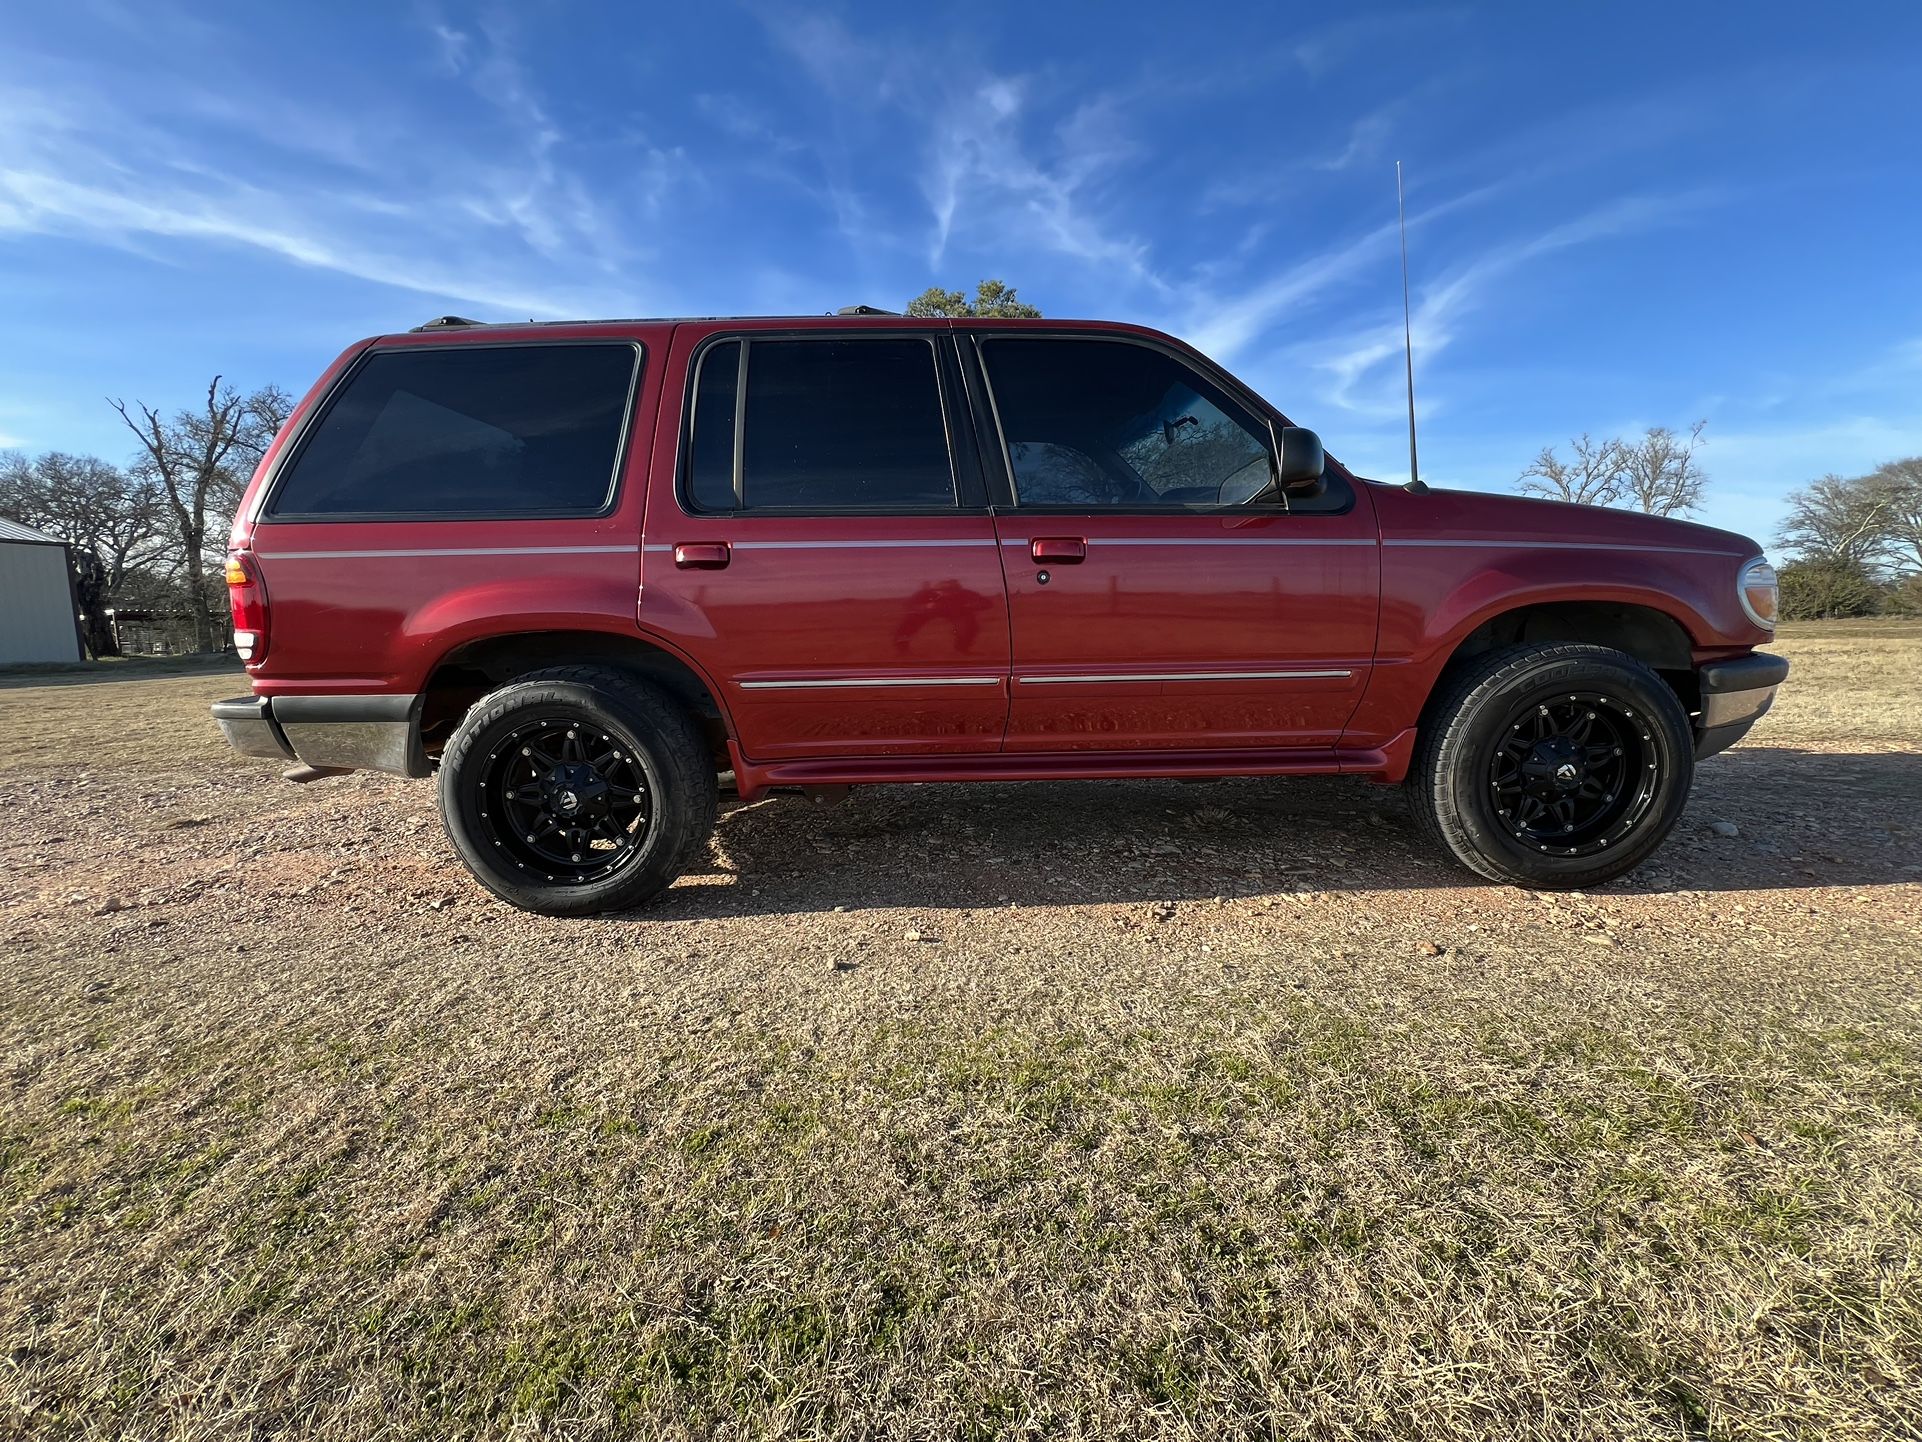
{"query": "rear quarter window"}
pixel 531 430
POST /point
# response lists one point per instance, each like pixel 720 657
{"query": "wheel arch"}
pixel 470 670
pixel 1650 634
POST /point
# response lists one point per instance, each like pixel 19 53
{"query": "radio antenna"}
pixel 1407 334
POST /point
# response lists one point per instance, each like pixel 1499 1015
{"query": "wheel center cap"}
pixel 575 791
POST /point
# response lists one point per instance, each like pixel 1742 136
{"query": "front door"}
pixel 821 553
pixel 1155 602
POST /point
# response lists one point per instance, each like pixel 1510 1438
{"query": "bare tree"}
pixel 200 459
pixel 1897 491
pixel 112 522
pixel 92 505
pixel 1834 518
pixel 1660 473
pixel 1594 475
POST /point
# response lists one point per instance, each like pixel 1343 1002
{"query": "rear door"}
pixel 1153 604
pixel 822 544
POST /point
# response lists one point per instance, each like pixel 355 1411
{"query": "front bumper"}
pixel 1735 695
pixel 357 733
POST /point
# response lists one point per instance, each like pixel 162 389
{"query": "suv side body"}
pixel 855 550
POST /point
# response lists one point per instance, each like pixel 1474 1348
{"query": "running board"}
pixel 1385 763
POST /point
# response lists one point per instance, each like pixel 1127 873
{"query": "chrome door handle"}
pixel 701 555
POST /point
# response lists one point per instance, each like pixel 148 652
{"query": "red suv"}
pixel 578 570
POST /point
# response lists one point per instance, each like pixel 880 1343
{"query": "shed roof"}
pixel 14 531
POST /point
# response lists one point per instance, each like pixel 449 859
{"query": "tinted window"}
pixel 830 425
pixel 497 430
pixel 1104 423
pixel 710 465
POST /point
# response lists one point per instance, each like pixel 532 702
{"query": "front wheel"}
pixel 1553 766
pixel 577 790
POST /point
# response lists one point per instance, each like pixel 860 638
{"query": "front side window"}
pixel 467 430
pixel 1097 423
pixel 825 425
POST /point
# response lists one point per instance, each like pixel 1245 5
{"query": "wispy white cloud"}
pixel 986 180
pixel 1443 306
pixel 475 220
pixel 531 189
pixel 1365 138
pixel 454 46
pixel 1225 322
pixel 995 171
pixel 737 116
pixel 33 201
pixel 1329 46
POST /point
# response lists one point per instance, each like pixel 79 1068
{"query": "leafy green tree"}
pixel 1905 597
pixel 1826 587
pixel 992 300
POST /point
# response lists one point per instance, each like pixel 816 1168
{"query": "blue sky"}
pixel 1620 216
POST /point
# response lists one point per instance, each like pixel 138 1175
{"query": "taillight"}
pixel 248 598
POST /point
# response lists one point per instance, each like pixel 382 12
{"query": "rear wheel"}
pixel 1553 766
pixel 577 790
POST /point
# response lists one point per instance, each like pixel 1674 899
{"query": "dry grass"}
pixel 1853 680
pixel 1168 1124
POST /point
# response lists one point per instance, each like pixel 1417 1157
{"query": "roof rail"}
pixel 444 322
pixel 865 310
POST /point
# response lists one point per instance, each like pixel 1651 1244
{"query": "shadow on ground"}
pixel 1802 818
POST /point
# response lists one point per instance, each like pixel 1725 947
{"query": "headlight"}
pixel 1760 595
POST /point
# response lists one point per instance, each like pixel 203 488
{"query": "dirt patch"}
pixel 1110 1110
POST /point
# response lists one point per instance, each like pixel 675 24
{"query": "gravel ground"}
pixel 1131 1109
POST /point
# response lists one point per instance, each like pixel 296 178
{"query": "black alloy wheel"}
pixel 578 790
pixel 565 800
pixel 1554 765
pixel 1574 774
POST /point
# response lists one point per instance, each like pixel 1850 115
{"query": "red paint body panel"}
pixel 925 647
pixel 1277 611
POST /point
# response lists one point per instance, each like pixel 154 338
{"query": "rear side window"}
pixel 710 466
pixel 471 430
pixel 828 425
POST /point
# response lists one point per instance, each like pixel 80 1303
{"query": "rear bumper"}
pixel 1735 695
pixel 358 733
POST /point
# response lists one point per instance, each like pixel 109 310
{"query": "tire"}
pixel 577 790
pixel 1489 781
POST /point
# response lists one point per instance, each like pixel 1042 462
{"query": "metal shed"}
pixel 38 619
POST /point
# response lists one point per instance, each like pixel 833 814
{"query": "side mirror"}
pixel 1302 463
